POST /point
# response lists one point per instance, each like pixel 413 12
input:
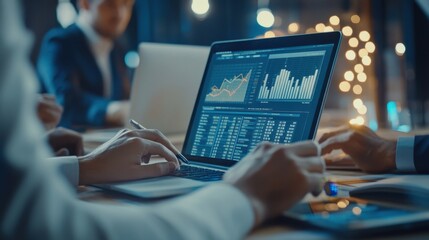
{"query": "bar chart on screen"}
pixel 289 79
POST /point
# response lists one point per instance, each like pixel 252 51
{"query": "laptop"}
pixel 167 79
pixel 251 91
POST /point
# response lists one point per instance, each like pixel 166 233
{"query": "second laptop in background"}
pixel 166 84
pixel 163 92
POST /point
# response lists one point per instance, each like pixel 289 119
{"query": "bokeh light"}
pixel 344 86
pixel 357 103
pixel 347 31
pixel 320 27
pixel 366 60
pixel 363 52
pixel 351 55
pixel 334 20
pixel 269 34
pixel 353 42
pixel 293 27
pixel 357 89
pixel 361 77
pixel 359 68
pixel 355 19
pixel 265 18
pixel 370 47
pixel 364 36
pixel 200 7
pixel 349 76
pixel 400 49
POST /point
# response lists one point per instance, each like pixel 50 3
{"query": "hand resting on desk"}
pixel 65 142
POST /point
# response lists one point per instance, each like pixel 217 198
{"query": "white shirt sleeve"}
pixel 405 154
pixel 218 211
pixel 69 168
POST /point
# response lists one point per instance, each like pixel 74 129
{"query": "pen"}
pixel 178 155
pixel 333 189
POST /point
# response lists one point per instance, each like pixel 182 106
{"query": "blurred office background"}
pixel 381 78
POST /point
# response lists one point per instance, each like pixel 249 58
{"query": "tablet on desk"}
pixel 353 217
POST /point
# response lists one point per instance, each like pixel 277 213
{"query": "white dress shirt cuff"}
pixel 405 154
pixel 218 211
pixel 69 168
pixel 230 204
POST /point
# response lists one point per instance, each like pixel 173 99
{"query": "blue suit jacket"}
pixel 421 153
pixel 68 69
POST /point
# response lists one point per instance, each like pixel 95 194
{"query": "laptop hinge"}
pixel 209 165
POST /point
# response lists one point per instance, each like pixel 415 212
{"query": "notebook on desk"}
pixel 252 91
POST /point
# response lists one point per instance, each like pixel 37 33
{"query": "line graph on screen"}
pixel 230 90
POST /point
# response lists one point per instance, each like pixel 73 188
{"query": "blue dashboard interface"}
pixel 260 95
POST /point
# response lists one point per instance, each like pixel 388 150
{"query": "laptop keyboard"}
pixel 196 173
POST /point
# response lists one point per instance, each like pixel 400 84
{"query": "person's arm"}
pixel 202 210
pixel 38 204
pixel 48 210
pixel 56 68
pixel 404 158
pixel 36 201
pixel 42 205
pixel 421 153
pixel 372 153
pixel 68 167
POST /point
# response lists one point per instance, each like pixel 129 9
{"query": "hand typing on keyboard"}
pixel 125 157
pixel 361 146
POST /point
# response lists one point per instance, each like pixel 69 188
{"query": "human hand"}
pixel 370 152
pixel 48 111
pixel 274 177
pixel 118 112
pixel 65 142
pixel 126 157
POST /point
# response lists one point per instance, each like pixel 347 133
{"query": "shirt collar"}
pixel 98 43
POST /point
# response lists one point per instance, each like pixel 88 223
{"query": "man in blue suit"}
pixel 83 67
pixel 374 154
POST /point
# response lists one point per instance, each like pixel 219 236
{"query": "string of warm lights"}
pixel 359 49
pixel 358 53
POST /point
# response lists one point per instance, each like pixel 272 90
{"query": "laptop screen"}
pixel 258 94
